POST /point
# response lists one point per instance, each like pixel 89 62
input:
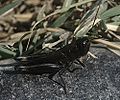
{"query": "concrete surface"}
pixel 100 80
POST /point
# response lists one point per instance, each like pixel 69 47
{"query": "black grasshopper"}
pixel 52 63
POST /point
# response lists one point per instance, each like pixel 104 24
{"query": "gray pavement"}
pixel 100 80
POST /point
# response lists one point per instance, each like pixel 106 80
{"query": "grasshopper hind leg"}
pixel 62 84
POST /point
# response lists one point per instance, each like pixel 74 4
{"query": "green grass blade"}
pixel 111 12
pixel 9 6
pixel 61 20
pixel 6 53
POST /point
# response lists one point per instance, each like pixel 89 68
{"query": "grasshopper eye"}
pixel 85 42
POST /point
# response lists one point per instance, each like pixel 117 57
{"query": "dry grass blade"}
pixel 117 52
pixel 23 17
pixel 82 31
pixel 107 43
pixel 16 37
pixel 115 35
pixel 92 55
pixel 114 28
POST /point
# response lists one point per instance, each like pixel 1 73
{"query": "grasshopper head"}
pixel 83 44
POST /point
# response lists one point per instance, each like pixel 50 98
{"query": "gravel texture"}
pixel 100 80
